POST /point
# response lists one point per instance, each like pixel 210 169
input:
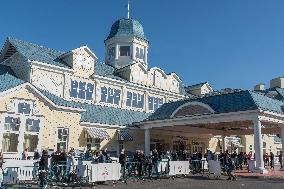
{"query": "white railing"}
pixel 18 170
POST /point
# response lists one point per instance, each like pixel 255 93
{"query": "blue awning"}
pixel 97 133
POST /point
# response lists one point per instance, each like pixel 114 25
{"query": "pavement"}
pixel 194 182
pixel 272 173
pixel 273 180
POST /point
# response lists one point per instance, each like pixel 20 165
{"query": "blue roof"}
pixel 195 85
pixel 230 102
pixel 6 69
pixel 127 28
pixel 101 114
pixel 8 81
pixel 38 53
pixel 93 113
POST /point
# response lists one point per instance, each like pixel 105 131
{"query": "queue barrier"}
pixel 179 168
pixel 99 172
pixel 26 170
pixel 214 167
pixel 251 165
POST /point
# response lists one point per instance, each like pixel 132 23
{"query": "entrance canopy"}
pixel 238 113
pixel 227 114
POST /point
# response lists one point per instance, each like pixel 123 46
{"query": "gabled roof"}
pixel 274 93
pixel 33 52
pixel 6 69
pixel 93 113
pixel 101 114
pixel 196 85
pixel 8 81
pixel 225 103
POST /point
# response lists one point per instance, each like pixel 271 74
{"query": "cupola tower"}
pixel 126 44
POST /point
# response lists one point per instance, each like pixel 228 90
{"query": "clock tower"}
pixel 126 44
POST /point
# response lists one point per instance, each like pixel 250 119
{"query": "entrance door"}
pixel 179 145
pixel 197 148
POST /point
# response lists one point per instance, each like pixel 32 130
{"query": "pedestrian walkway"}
pixel 276 173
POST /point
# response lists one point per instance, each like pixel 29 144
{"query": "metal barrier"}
pixel 89 173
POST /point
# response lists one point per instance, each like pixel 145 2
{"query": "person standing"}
pixel 1 159
pixel 280 160
pixel 43 168
pixel 122 161
pixel 71 165
pixel 25 154
pixel 36 155
pixel 155 161
pixel 271 160
pixel 230 169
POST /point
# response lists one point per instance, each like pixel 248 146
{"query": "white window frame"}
pixel 68 135
pixel 16 106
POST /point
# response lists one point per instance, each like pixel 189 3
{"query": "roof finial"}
pixel 128 9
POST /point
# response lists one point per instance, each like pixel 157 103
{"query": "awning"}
pixel 97 133
pixel 124 135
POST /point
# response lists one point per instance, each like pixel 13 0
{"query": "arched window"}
pixel 192 108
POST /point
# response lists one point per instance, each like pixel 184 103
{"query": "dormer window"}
pixel 124 50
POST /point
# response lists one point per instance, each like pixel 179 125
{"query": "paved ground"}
pixel 196 183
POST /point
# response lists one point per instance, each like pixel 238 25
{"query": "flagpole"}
pixel 128 9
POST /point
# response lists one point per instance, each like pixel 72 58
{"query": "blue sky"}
pixel 228 43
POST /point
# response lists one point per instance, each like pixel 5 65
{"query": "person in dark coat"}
pixel 281 160
pixel 43 162
pixel 155 161
pixel 36 155
pixel 122 161
pixel 271 160
pixel 43 168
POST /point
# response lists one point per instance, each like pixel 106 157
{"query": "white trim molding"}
pixel 194 103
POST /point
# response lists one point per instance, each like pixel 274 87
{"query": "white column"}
pixel 2 132
pixel 21 138
pixel 223 143
pixel 282 140
pixel 40 135
pixel 116 51
pixel 147 142
pixel 258 146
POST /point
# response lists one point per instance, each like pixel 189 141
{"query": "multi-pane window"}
pixel 12 124
pixel 81 90
pixel 139 53
pixel 135 100
pixel 32 125
pixel 10 142
pixel 109 95
pixel 124 50
pixel 62 138
pixel 111 53
pixel 30 142
pixel 154 103
pixel 24 108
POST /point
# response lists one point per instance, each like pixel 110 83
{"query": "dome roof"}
pixel 127 27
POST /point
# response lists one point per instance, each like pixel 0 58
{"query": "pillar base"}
pixel 260 170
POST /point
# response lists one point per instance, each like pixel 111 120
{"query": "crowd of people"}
pixel 144 165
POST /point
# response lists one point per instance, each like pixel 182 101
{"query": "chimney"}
pixel 277 82
pixel 259 87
